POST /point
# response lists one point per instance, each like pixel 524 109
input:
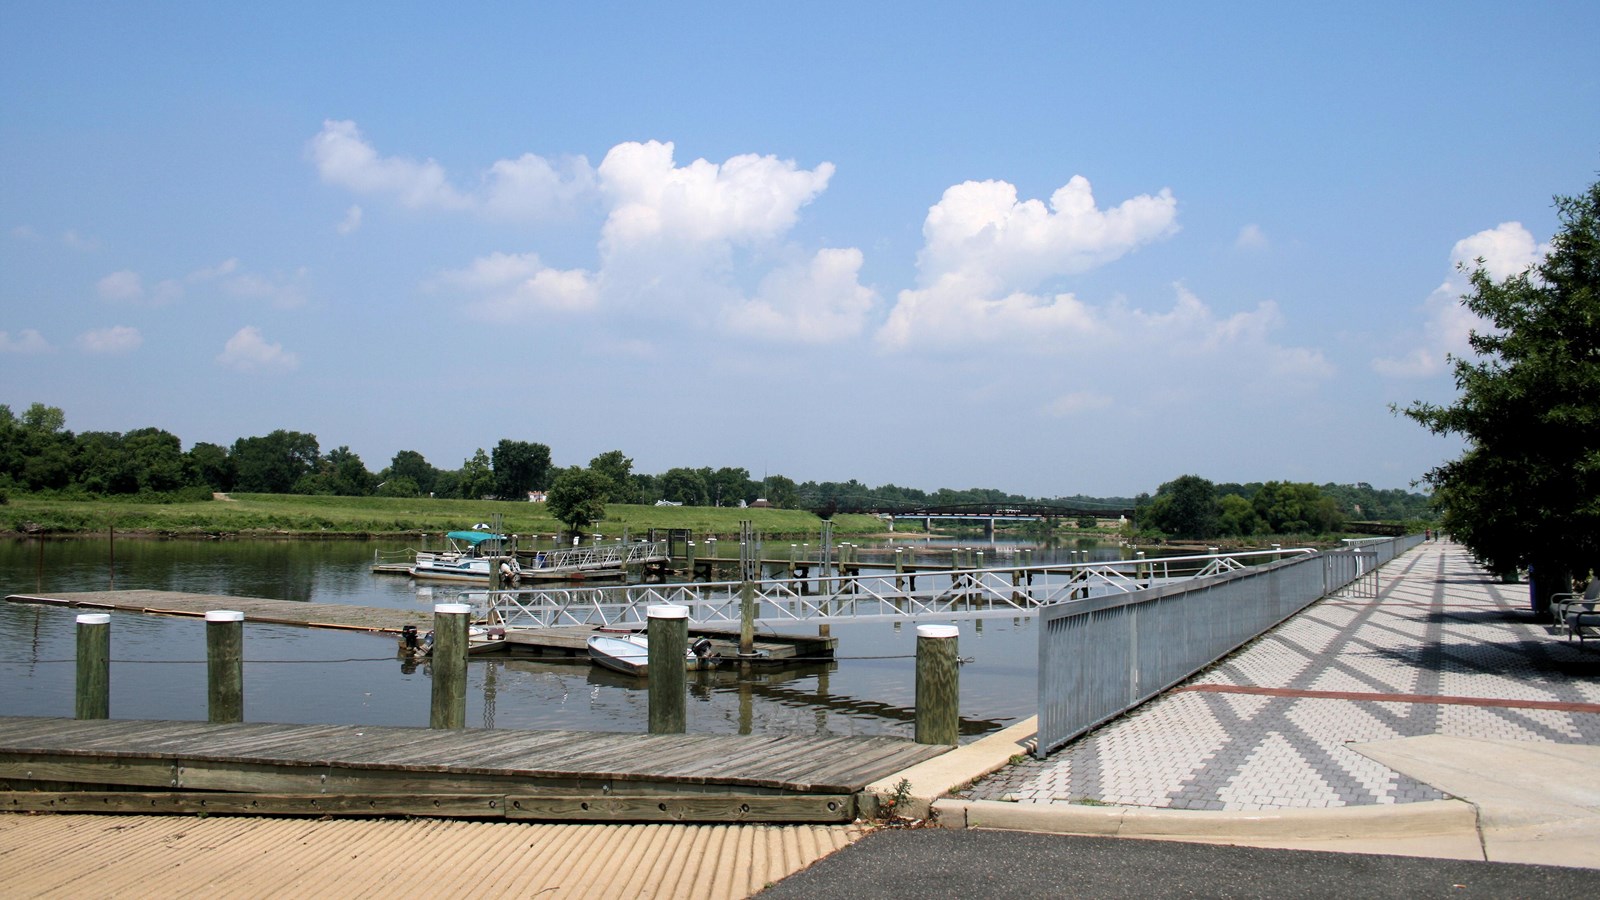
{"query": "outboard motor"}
pixel 701 648
pixel 408 636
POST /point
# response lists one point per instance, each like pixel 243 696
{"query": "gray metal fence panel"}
pixel 1101 656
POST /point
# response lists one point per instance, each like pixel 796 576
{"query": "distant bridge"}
pixel 986 513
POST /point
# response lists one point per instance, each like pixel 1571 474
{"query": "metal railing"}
pixel 1100 656
pixel 832 597
pixel 597 556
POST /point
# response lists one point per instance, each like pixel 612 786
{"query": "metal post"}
pixel 668 638
pixel 449 707
pixel 93 700
pixel 224 666
pixel 938 685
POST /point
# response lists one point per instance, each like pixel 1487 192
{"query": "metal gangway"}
pixel 595 556
pixel 827 597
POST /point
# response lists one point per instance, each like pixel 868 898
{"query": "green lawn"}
pixel 293 515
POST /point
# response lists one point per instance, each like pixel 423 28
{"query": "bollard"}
pixel 224 666
pixel 688 560
pixel 93 699
pixel 449 708
pixel 938 685
pixel 668 639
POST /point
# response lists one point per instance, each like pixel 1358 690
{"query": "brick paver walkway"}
pixel 1443 648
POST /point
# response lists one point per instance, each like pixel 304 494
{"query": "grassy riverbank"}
pixel 285 515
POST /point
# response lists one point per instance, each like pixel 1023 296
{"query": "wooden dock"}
pixel 546 643
pixel 255 609
pixel 68 765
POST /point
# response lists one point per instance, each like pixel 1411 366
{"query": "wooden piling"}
pixel 747 618
pixel 449 706
pixel 938 685
pixel 93 698
pixel 224 666
pixel 668 637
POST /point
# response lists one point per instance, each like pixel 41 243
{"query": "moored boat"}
pixel 473 556
pixel 630 653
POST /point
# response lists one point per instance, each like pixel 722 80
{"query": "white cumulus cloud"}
pixel 1506 249
pixel 746 199
pixel 981 227
pixel 985 252
pixel 813 303
pixel 116 339
pixel 677 242
pixel 1251 237
pixel 27 340
pixel 127 286
pixel 527 186
pixel 247 351
pixel 351 220
pixel 512 286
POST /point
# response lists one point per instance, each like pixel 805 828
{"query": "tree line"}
pixel 39 454
pixel 1192 507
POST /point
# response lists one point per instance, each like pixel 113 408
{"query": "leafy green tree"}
pixel 101 466
pixel 686 486
pixel 520 467
pixel 341 473
pixel 782 492
pixel 1526 492
pixel 210 465
pixel 1296 508
pixel 1237 516
pixel 617 472
pixel 47 448
pixel 275 463
pixel 411 464
pixel 577 499
pixel 477 477
pixel 1185 507
pixel 157 458
pixel 727 486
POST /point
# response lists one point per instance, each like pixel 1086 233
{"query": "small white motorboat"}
pixel 630 653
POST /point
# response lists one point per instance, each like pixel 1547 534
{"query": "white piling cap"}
pixel 94 619
pixel 453 609
pixel 937 631
pixel 224 615
pixel 668 611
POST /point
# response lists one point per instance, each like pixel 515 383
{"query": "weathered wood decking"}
pixel 255 609
pixel 139 766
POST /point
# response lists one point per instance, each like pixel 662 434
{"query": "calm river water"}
pixel 303 675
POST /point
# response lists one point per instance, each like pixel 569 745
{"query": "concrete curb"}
pixel 953 770
pixel 1405 820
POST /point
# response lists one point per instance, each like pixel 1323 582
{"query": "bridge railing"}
pixel 1101 656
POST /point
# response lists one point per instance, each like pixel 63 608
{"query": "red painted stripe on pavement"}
pixel 1558 705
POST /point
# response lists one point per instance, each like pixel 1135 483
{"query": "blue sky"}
pixel 1045 247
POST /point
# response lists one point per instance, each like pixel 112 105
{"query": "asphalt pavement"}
pixel 936 862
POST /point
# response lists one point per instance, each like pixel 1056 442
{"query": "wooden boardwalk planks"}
pixel 363 770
